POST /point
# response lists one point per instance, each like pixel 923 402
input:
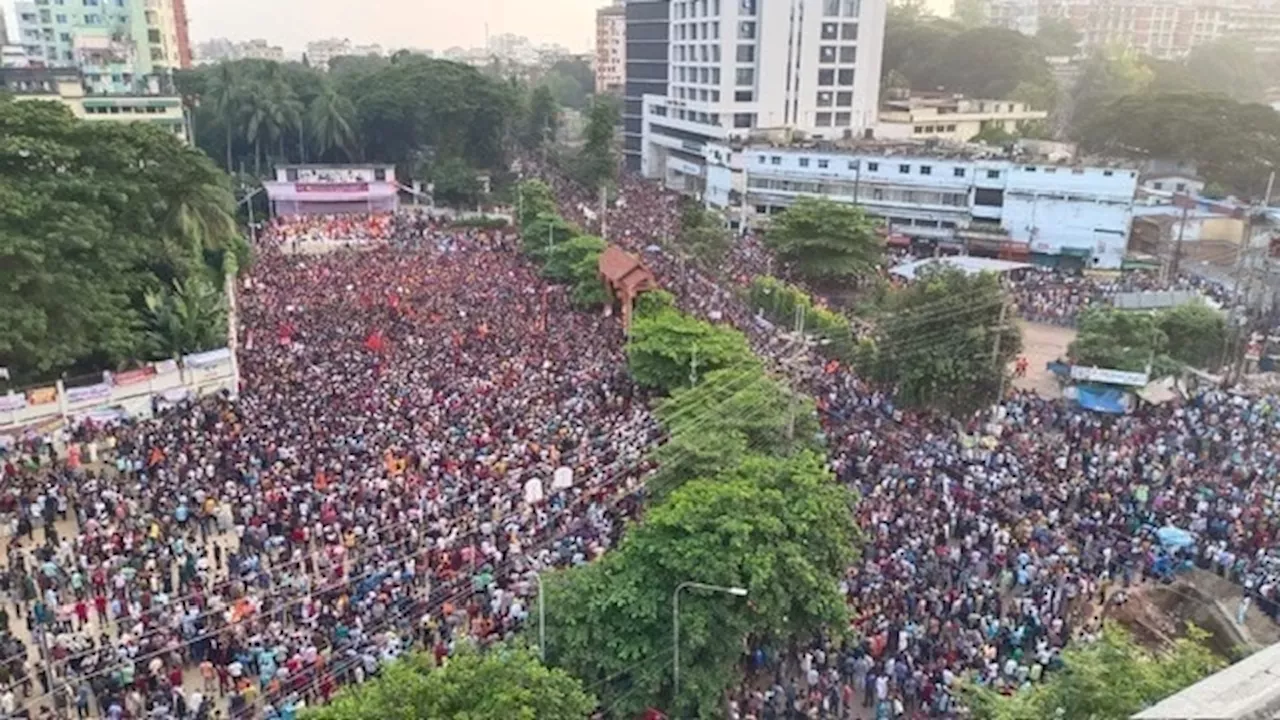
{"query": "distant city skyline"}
pixel 434 24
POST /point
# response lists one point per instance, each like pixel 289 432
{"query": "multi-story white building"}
pixel 152 103
pixel 740 65
pixel 984 204
pixel 221 49
pixel 321 52
pixel 114 43
pixel 611 47
pixel 1166 29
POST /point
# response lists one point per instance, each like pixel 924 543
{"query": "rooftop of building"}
pixel 1048 153
pixel 945 101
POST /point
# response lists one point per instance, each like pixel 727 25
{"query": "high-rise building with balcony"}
pixel 611 47
pixel 115 43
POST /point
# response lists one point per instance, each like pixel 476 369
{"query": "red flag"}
pixel 375 342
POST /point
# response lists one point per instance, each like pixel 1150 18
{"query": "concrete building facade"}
pixel 67 86
pixel 736 66
pixel 1165 29
pixel 112 41
pixel 648 27
pixel 611 48
pixel 1021 209
pixel 951 117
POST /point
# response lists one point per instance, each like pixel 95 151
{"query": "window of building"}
pixel 822 119
pixel 904 169
pixel 926 169
pixel 61 18
pixel 715 76
pixel 1029 168
pixel 846 77
pixel 746 53
pixel 658 110
pixel 64 37
pixel 1180 187
pixel 844 98
pixel 745 77
pixel 775 160
pixel 826 78
pixel 958 172
pixel 1107 173
pixel 873 166
pixel 747 7
pixel 804 162
pixel 823 163
pixel 843 119
pixel 831 8
pixel 760 159
pixel 91 3
pixel 746 30
pixel 853 164
pixel 917 130
pixel 704 75
pixel 745 120
pixel 850 8
pixel 993 174
pixel 704 52
pixel 848 53
pixel 824 98
pixel 951 128
pixel 92 19
pixel 744 95
pixel 849 31
pixel 988 197
pixel 830 31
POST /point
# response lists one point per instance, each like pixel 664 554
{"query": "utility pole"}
pixel 604 212
pixel 693 367
pixel 1000 368
pixel 794 396
pixel 1177 249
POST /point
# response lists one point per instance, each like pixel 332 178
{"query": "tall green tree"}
pixel 729 414
pixel 936 342
pixel 1229 66
pixel 820 239
pixel 703 235
pixel 543 119
pixel 192 317
pixel 1110 679
pixel 224 95
pixel 779 527
pixel 670 349
pixel 1109 74
pixel 533 199
pixel 598 160
pixel 1196 334
pixel 500 684
pixel 93 216
pixel 329 123
pixel 1057 36
pixel 1118 339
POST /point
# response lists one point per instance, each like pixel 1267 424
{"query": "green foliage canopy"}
pixel 93 217
pixel 1110 679
pixel 501 684
pixel 936 339
pixel 821 239
pixel 671 349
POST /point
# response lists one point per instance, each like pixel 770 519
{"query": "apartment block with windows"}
pixel 115 43
pixel 611 47
pixel 739 66
pixel 645 59
pixel 1069 215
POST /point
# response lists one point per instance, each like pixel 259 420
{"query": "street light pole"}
pixel 675 625
pixel 542 619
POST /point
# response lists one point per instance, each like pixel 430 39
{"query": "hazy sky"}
pixel 435 24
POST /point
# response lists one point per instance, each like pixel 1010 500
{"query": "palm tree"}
pixel 190 317
pixel 287 109
pixel 329 123
pixel 259 115
pixel 199 217
pixel 225 92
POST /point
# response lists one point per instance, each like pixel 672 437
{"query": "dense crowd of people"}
pixel 416 434
pixel 1057 298
pixel 424 424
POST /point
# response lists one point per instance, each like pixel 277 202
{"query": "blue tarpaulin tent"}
pixel 1174 538
pixel 1101 399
